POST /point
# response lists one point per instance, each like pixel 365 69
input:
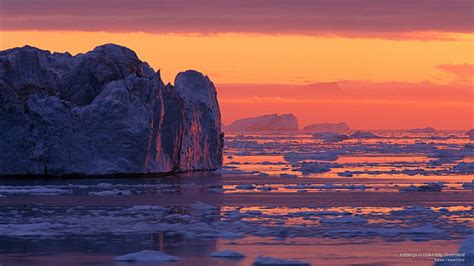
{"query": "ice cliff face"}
pixel 274 122
pixel 103 112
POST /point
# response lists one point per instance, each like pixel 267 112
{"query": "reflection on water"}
pixel 356 202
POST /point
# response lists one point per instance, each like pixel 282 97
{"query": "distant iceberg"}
pixel 363 135
pixel 428 130
pixel 264 123
pixel 327 127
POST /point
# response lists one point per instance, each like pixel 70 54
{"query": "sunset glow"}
pixel 434 59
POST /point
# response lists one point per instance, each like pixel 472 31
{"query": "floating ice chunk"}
pixel 467 247
pixel 364 135
pixel 412 172
pixel 253 212
pixel 113 192
pixel 429 130
pixel 245 187
pixel 330 136
pixel 470 134
pixel 465 255
pixel 345 174
pixel 144 208
pixel 237 171
pixel 468 185
pixel 344 220
pixel 33 190
pixel 227 254
pixel 288 176
pixel 264 261
pixel 464 168
pixel 203 206
pixel 147 255
pixel 30 229
pixel 428 187
pixel 265 188
pixel 413 210
pixel 229 235
pixel 319 213
pixel 315 167
pixel 319 156
pixel 425 229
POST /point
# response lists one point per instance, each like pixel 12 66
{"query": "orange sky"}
pixel 439 69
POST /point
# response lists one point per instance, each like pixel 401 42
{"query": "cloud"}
pixel 463 71
pixel 350 18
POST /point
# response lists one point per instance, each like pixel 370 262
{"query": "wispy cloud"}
pixel 459 70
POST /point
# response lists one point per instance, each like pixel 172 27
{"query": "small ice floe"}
pixel 344 186
pixel 413 210
pixel 33 190
pixel 468 185
pixel 468 150
pixel 330 136
pixel 425 130
pixel 464 168
pixel 318 213
pixel 227 254
pixel 363 135
pixel 203 206
pixel 265 188
pixel 464 256
pixel 424 230
pixel 299 186
pixel 470 134
pixel 237 171
pixel 144 208
pixel 413 172
pixel 245 187
pixel 146 255
pixel 344 220
pixel 265 261
pixel 428 187
pixel 288 176
pixel 113 192
pixel 314 167
pixel 293 157
pixel 229 235
pixel 445 156
pixel 345 174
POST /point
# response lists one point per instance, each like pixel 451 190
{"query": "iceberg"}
pixel 327 127
pixel 101 113
pixel 272 123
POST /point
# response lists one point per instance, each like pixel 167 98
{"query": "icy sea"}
pixel 392 198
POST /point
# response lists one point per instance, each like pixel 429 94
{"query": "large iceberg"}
pixel 103 112
pixel 273 122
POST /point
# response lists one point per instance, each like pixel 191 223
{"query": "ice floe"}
pixel 266 261
pixel 227 254
pixel 146 256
